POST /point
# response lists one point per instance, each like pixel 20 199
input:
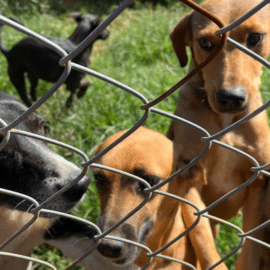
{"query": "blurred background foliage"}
pixel 30 7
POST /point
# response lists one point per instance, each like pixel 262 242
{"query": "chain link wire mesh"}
pixel 148 108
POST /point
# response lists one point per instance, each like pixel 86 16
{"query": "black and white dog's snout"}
pixel 76 192
pixel 62 173
pixel 65 174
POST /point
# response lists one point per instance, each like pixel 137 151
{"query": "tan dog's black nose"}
pixel 231 100
pixel 111 249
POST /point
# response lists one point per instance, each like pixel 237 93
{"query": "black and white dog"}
pixel 30 167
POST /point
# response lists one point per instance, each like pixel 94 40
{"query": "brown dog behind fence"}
pixel 223 92
pixel 148 154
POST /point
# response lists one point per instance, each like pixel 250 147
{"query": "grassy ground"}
pixel 138 53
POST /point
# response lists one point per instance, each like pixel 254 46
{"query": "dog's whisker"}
pixel 48 231
pixel 19 204
pixel 29 208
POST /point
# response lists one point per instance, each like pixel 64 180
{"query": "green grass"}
pixel 228 240
pixel 138 53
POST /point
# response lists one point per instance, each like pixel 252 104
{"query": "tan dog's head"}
pixel 147 154
pixel 232 79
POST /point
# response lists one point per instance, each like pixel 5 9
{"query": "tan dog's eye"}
pixel 206 44
pixel 151 179
pixel 255 39
pixel 101 180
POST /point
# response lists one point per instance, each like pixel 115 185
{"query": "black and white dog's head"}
pixel 30 167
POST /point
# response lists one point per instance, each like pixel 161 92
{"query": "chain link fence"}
pixel 148 108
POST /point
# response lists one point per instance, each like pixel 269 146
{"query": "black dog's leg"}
pixel 82 89
pixel 17 78
pixel 34 82
pixel 72 88
pixel 72 83
pixel 70 100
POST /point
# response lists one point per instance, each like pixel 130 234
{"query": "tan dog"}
pixel 147 154
pixel 226 90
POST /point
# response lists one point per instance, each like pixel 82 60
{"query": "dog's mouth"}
pixel 233 110
pixel 202 95
pixel 121 262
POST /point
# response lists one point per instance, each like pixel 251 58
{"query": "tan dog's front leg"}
pixel 201 236
pixel 249 259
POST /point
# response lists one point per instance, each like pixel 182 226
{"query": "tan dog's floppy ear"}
pixel 181 37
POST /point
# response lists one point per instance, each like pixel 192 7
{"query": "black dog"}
pixel 39 61
pixel 30 167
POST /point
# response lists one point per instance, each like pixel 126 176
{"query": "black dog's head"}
pixel 86 24
pixel 30 167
